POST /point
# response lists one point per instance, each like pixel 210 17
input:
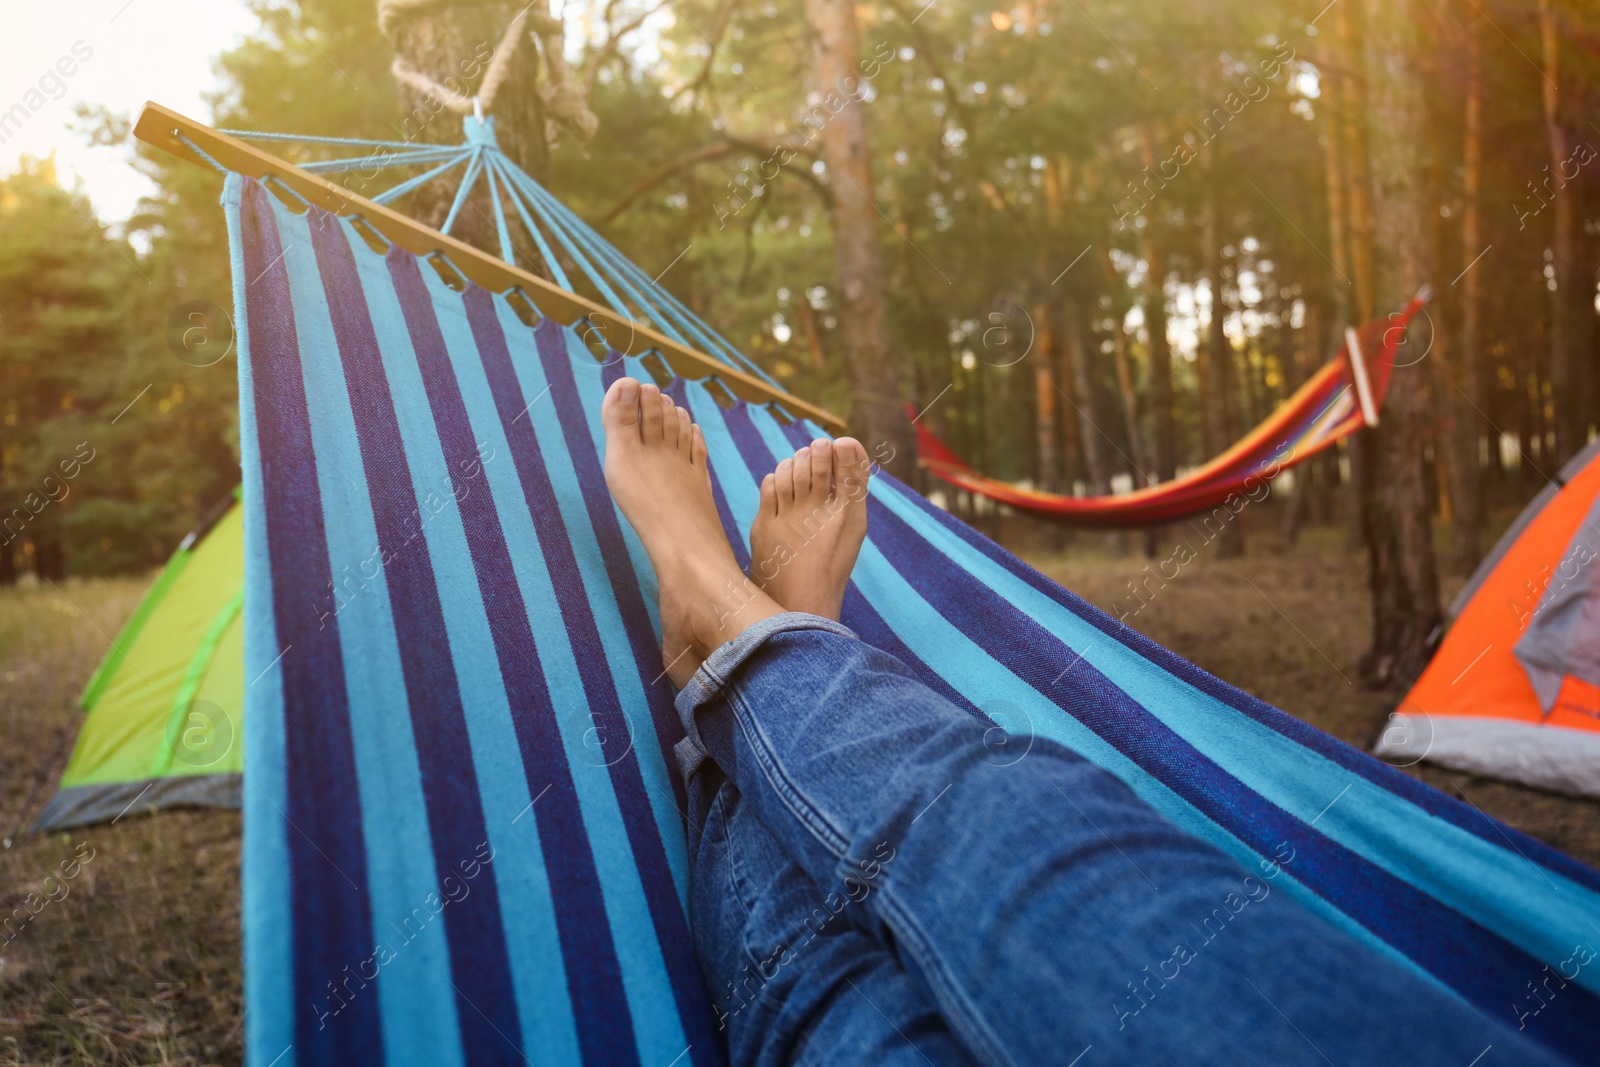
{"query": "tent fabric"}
pixel 1514 689
pixel 1562 642
pixel 463 833
pixel 1491 560
pixel 164 711
pixel 1320 414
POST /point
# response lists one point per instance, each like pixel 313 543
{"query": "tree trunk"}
pixel 1163 433
pixel 1566 376
pixel 1055 469
pixel 452 46
pixel 1354 133
pixel 1528 405
pixel 1164 460
pixel 1164 436
pixel 1337 180
pixel 1402 576
pixel 875 413
pixel 1349 28
pixel 1046 401
pixel 1216 419
pixel 1298 363
pixel 1466 396
pixel 1125 383
pixel 808 326
pixel 1073 467
pixel 50 560
pixel 1085 394
pixel 1538 401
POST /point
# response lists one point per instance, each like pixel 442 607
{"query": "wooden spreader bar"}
pixel 161 127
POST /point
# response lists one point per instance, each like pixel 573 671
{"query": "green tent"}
pixel 164 710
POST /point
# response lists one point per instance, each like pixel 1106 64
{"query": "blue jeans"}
pixel 871 884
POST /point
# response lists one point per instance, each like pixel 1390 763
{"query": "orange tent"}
pixel 1514 689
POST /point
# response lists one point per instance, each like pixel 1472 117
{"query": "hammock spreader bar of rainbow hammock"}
pixel 1322 412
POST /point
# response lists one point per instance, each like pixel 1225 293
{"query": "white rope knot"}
pixel 566 105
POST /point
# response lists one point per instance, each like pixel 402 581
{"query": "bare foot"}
pixel 809 529
pixel 656 469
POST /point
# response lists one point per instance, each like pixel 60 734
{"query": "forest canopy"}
pixel 1098 240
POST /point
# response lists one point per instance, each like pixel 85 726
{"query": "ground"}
pixel 139 962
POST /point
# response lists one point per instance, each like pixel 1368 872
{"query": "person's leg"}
pixel 791 978
pixel 792 981
pixel 1045 907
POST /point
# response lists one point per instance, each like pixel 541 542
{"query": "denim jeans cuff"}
pixel 714 675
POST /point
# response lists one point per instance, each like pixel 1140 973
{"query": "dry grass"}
pixel 139 963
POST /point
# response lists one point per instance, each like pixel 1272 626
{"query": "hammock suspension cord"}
pixel 567 248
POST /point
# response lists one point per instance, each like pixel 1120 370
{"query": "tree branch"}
pixel 725 145
pixel 719 26
pixel 612 46
pixel 704 154
pixel 926 51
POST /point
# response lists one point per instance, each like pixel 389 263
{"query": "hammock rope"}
pixel 561 238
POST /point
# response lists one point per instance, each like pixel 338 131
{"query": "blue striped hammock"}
pixel 463 836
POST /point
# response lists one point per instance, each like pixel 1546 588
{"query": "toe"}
pixel 769 496
pixel 784 479
pixel 802 473
pixel 650 413
pixel 685 436
pixel 850 468
pixel 620 409
pixel 697 447
pixel 821 466
pixel 669 421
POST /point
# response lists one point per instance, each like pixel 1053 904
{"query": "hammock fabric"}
pixel 463 839
pixel 1321 413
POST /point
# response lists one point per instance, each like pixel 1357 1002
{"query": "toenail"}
pixel 629 391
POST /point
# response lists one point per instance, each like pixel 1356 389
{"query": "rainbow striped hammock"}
pixel 1344 395
pixel 463 840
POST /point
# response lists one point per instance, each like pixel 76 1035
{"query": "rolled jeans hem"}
pixel 710 683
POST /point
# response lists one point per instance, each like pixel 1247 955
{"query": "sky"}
pixel 136 50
